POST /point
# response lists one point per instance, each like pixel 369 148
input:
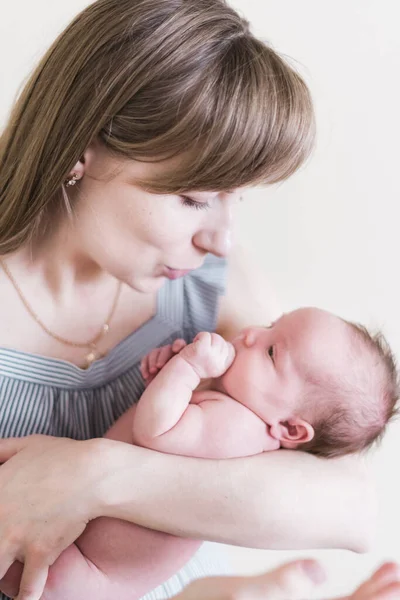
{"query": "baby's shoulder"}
pixel 238 429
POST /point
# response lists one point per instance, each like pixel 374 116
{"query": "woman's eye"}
pixel 186 201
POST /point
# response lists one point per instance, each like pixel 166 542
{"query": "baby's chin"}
pixel 218 385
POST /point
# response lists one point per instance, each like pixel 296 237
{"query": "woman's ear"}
pixel 292 432
pixel 93 159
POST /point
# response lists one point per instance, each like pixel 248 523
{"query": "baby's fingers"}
pixel 144 367
pixel 153 360
pixel 164 356
pixel 178 345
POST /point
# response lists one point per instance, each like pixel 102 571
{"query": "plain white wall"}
pixel 329 236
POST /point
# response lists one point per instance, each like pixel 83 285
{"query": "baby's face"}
pixel 272 364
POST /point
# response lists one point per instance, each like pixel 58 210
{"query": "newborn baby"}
pixel 310 381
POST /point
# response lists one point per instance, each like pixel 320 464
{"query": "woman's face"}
pixel 139 237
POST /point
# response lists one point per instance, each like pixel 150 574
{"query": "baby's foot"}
pixel 384 584
pixel 209 355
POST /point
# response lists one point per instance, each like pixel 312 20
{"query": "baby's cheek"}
pixel 233 381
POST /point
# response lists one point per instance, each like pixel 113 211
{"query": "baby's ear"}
pixel 292 432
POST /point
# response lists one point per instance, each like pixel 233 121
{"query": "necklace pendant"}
pixel 91 357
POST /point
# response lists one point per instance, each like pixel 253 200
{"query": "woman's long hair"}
pixel 152 79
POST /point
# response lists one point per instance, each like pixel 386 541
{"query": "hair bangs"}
pixel 249 121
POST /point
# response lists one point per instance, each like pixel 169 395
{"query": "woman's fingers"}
pixel 6 560
pixel 33 579
pixel 9 584
pixel 35 525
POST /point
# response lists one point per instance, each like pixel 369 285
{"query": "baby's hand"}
pixel 209 355
pixel 155 360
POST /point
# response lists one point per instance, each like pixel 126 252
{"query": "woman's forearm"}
pixel 277 500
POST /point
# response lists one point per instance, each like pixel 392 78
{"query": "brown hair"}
pixel 354 413
pixel 152 79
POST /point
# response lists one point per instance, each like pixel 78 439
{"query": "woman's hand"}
pixel 292 581
pixel 46 500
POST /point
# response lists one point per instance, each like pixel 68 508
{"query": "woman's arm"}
pixel 276 500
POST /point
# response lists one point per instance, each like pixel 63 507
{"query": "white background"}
pixel 329 236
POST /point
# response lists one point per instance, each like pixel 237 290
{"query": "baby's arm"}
pixel 170 417
pixel 113 558
pixel 208 356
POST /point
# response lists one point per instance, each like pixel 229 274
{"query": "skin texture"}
pixel 264 368
pixel 292 581
pixel 73 267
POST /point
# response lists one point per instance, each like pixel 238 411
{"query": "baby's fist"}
pixel 209 355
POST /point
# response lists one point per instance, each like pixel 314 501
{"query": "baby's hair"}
pixel 355 412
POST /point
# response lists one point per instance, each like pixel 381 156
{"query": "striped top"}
pixel 54 397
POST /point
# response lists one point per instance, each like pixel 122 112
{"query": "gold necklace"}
pixel 93 353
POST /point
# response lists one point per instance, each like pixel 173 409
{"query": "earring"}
pixel 72 180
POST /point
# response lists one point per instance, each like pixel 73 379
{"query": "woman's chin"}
pixel 146 285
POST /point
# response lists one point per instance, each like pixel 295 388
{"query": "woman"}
pixel 119 171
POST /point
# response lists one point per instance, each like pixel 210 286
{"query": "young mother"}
pixel 119 171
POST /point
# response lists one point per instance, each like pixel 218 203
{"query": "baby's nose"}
pixel 249 337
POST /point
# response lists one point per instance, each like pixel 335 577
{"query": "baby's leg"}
pixel 112 558
pixel 132 559
pixel 136 558
pixel 117 557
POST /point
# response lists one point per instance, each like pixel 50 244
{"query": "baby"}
pixel 310 381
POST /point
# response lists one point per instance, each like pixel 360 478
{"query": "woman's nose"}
pixel 217 242
pixel 216 236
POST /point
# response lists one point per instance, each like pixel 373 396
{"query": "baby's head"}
pixel 320 383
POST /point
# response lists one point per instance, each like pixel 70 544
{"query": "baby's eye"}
pixel 271 352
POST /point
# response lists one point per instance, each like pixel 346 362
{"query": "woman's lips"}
pixel 175 273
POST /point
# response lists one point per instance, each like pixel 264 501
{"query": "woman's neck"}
pixel 60 261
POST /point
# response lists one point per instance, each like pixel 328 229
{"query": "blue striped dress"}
pixel 54 397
